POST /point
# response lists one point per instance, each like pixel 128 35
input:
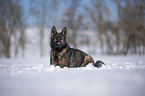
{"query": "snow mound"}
pixel 20 66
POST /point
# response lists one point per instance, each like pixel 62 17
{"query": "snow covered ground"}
pixel 121 76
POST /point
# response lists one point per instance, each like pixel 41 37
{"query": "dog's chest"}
pixel 60 59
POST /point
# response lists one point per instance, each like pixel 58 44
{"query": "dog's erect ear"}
pixel 53 31
pixel 64 31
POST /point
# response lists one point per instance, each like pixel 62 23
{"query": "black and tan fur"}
pixel 64 56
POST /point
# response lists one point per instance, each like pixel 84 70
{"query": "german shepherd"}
pixel 64 56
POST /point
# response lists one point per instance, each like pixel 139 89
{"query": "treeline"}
pixel 11 27
pixel 119 24
pixel 124 35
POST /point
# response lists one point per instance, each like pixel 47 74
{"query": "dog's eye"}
pixel 54 39
pixel 61 41
pixel 62 38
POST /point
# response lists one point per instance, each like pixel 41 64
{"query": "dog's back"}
pixel 75 58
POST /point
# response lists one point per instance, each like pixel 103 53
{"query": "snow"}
pixel 121 76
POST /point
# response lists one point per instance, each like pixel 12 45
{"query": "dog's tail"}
pixel 98 64
pixel 89 59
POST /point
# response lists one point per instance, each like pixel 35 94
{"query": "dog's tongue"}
pixel 58 43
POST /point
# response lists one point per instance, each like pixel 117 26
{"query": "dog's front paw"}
pixel 99 64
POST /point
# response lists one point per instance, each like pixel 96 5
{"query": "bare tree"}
pixel 9 21
pixel 45 13
pixel 102 26
pixel 132 24
pixel 71 21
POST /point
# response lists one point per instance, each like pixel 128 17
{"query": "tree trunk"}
pixel 7 49
pixel 41 42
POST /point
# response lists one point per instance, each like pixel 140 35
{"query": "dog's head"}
pixel 58 40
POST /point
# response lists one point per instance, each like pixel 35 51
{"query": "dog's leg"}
pixel 87 60
pixel 52 62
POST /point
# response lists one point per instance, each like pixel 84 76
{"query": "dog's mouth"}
pixel 58 43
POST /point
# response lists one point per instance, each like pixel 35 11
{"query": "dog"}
pixel 64 56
